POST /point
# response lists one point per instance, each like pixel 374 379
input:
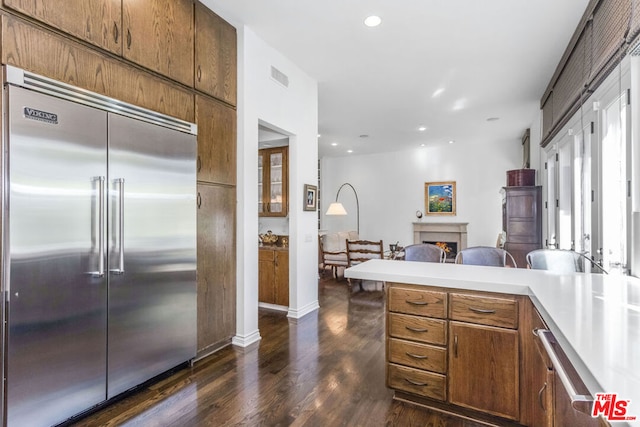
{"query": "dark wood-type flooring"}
pixel 327 369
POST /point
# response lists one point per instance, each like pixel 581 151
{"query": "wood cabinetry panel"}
pixel 423 383
pixel 273 184
pixel 273 276
pixel 522 221
pixel 216 141
pixel 536 387
pixel 266 277
pixel 417 328
pixel 417 355
pixel 215 55
pixel 483 369
pixel 96 21
pixel 216 265
pixel 282 278
pixel 158 34
pixel 418 302
pixel 38 51
pixel 490 311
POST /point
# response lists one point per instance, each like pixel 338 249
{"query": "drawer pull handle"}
pixel 416 329
pixel 481 310
pixel 540 393
pixel 416 356
pixel 416 302
pixel 416 383
pixel 455 346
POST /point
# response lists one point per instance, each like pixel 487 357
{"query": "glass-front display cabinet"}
pixel 273 176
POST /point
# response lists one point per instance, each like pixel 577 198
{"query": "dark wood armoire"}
pixel 522 221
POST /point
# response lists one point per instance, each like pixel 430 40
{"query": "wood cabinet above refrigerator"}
pixel 215 55
pixel 98 22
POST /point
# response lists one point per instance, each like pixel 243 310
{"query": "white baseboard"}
pixel 309 308
pixel 246 340
pixel 273 306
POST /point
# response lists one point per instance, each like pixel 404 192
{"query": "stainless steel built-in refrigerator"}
pixel 98 249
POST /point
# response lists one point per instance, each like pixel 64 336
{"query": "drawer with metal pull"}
pixel 501 312
pixel 421 356
pixel 423 383
pixel 418 302
pixel 417 328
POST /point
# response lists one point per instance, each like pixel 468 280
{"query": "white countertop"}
pixel 595 318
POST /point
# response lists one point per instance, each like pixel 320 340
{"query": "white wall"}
pixel 390 188
pixel 292 111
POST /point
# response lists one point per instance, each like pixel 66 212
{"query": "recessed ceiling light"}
pixel 364 135
pixel 334 144
pixel 493 119
pixel 421 145
pixel 438 92
pixel 349 151
pixel 451 141
pixel 422 128
pixel 372 21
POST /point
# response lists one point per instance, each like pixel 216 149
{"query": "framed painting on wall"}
pixel 310 197
pixel 440 198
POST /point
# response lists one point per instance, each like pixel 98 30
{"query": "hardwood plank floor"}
pixel 327 369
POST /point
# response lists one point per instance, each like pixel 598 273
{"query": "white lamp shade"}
pixel 336 208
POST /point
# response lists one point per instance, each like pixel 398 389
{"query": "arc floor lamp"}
pixel 336 208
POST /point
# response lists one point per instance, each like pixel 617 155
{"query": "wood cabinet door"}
pixel 281 284
pixel 523 221
pixel 216 141
pixel 98 22
pixel 215 55
pixel 30 47
pixel 274 165
pixel 266 276
pixel 483 369
pixel 536 373
pixel 216 265
pixel 158 34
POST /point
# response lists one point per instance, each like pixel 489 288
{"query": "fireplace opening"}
pixel 450 249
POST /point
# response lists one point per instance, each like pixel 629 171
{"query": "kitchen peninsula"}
pixel 594 318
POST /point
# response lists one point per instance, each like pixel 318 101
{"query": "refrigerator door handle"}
pixel 99 225
pixel 120 269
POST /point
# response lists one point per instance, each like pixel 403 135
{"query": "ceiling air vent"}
pixel 279 76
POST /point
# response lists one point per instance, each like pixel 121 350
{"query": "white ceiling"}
pixel 448 65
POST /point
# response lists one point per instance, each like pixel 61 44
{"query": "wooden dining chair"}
pixel 359 251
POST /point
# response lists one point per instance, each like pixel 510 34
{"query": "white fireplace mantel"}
pixel 441 232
